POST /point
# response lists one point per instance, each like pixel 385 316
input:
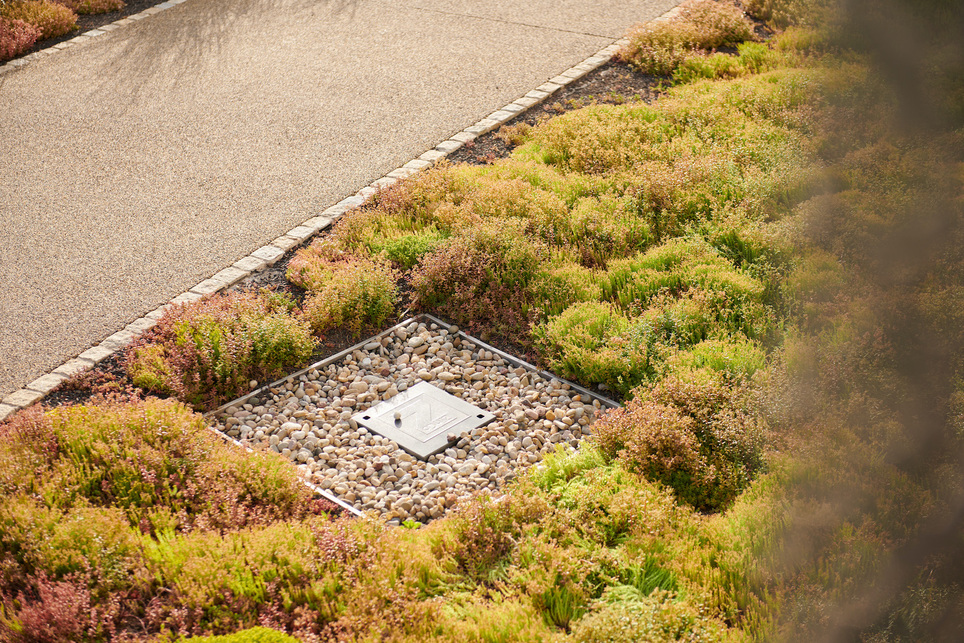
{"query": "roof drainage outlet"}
pixel 423 420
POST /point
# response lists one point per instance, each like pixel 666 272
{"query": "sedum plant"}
pixel 16 37
pixel 344 290
pixel 700 437
pixel 660 47
pixel 207 352
pixel 51 18
pixel 93 6
pixel 481 276
pixel 594 342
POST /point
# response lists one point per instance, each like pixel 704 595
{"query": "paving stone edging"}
pixel 269 254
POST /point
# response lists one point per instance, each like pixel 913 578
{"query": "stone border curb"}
pixel 269 254
pixel 87 36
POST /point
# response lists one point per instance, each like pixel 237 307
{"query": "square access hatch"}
pixel 421 419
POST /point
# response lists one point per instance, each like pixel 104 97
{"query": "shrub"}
pixel 563 465
pixel 660 616
pixel 157 462
pixel 28 448
pixel 399 237
pixel 757 248
pixel 226 576
pixel 705 151
pixel 685 319
pixel 417 198
pixel 95 542
pixel 801 40
pixel 751 58
pixel 556 580
pixel 51 611
pixel 702 439
pixel 562 284
pixel 714 66
pixel 569 188
pixel 514 134
pixel 784 13
pixel 406 251
pixel 152 459
pixel 813 288
pixel 679 294
pixel 658 443
pixel 51 18
pixel 123 498
pixel 660 47
pixel 673 268
pixel 756 57
pixel 359 295
pixel 603 228
pixel 631 283
pixel 734 357
pixel 103 492
pixel 598 139
pixel 207 352
pixel 595 343
pixel 16 37
pixel 543 213
pixel 93 6
pixel 678 193
pixel 344 290
pixel 757 120
pixel 482 536
pixel 719 23
pixel 510 619
pixel 481 278
pixel 605 501
pixel 588 326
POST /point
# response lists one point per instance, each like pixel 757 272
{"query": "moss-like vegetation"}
pixel 254 635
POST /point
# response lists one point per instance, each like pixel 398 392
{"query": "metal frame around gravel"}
pixel 337 357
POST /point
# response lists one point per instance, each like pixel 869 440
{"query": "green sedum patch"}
pixel 660 47
pixel 356 293
pixel 207 352
pixel 253 635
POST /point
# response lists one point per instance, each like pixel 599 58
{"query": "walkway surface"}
pixel 146 160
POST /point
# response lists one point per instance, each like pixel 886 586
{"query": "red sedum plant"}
pixel 51 18
pixel 481 278
pixel 702 438
pixel 16 37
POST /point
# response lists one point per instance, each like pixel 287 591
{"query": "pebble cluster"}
pixel 308 419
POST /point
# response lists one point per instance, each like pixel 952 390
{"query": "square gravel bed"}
pixel 310 418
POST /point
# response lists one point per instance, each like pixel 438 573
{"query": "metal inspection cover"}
pixel 420 419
